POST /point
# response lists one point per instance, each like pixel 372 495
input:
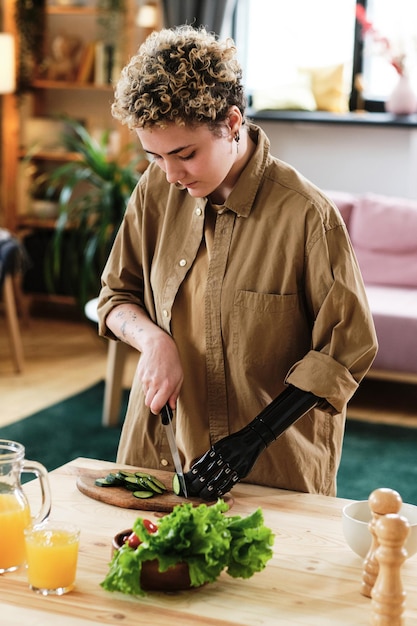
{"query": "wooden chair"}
pixel 116 358
pixel 10 255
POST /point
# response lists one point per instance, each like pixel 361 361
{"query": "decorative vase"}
pixel 403 100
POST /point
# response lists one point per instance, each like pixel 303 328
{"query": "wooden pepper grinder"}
pixel 388 595
pixel 381 502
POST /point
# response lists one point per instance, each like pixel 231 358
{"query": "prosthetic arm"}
pixel 231 458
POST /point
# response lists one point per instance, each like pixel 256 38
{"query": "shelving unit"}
pixel 49 99
pixel 87 100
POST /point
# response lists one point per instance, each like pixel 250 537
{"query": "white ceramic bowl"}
pixel 356 517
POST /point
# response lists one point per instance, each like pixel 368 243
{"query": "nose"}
pixel 173 172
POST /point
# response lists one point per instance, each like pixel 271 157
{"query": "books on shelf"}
pixel 106 67
pixel 85 72
pixel 99 64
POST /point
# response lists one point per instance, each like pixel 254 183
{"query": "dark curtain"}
pixel 209 13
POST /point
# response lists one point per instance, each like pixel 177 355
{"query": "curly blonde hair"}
pixel 182 75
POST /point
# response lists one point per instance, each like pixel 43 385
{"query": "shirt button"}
pixel 198 211
pixel 164 462
pixel 183 262
pixel 165 313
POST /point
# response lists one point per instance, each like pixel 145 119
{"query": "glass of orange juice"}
pixel 51 556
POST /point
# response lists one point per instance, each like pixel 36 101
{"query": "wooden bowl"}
pixel 176 578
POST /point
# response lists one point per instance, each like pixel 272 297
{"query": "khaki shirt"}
pixel 258 293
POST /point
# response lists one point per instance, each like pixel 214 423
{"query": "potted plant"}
pixel 94 190
pixel 30 24
pixel 43 200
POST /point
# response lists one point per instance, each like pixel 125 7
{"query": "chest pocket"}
pixel 268 328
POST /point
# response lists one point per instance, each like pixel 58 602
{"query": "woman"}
pixel 234 278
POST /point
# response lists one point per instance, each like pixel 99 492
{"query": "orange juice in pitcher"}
pixel 14 518
pixel 14 507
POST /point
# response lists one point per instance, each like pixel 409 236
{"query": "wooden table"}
pixel 313 578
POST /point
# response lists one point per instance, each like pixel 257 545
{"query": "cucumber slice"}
pixel 158 483
pixel 131 486
pixel 125 474
pixel 149 484
pixel 114 479
pixel 103 482
pixel 121 475
pixel 152 479
pixel 176 486
pixel 132 480
pixel 143 494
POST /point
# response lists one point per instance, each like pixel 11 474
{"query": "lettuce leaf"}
pixel 250 546
pixel 202 537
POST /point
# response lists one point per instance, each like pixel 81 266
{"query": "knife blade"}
pixel 166 417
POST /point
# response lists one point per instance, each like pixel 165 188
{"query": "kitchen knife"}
pixel 166 416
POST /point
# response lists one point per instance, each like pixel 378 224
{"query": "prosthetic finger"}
pixel 213 483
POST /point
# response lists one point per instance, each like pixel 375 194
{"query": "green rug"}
pixel 378 455
pixel 374 455
pixel 67 430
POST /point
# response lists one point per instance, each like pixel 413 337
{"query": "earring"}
pixel 237 139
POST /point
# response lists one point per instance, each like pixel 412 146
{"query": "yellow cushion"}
pixel 295 95
pixel 328 87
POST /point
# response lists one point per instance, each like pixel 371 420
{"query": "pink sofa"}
pixel 383 231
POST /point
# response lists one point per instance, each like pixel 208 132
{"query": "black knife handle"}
pixel 166 414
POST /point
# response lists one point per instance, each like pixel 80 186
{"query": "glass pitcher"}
pixel 14 506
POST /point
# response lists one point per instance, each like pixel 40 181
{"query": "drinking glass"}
pixel 51 556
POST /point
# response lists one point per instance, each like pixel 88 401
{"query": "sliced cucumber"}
pixel 143 494
pixel 125 474
pixel 138 482
pixel 131 486
pixel 149 484
pixel 158 483
pixel 176 486
pixel 132 480
pixel 103 482
pixel 114 479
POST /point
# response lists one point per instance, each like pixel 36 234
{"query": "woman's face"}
pixel 194 157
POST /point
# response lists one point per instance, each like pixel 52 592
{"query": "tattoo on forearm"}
pixel 124 327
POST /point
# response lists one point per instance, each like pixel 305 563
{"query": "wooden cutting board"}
pixel 119 496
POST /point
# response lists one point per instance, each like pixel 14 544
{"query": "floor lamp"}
pixel 7 66
pixel 7 87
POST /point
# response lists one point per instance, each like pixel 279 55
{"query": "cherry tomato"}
pixel 150 526
pixel 133 541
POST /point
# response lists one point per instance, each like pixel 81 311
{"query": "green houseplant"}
pixel 30 23
pixel 93 194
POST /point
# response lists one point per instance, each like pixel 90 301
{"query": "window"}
pixel 294 48
pixel 305 54
pixel 396 23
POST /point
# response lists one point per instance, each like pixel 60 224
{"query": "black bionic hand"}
pixel 231 458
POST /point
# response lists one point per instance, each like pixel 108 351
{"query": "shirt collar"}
pixel 241 199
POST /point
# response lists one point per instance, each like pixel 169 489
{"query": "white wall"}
pixel 347 157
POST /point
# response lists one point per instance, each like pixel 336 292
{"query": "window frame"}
pixel 355 99
pixel 355 103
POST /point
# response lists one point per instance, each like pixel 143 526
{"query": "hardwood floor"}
pixel 63 357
